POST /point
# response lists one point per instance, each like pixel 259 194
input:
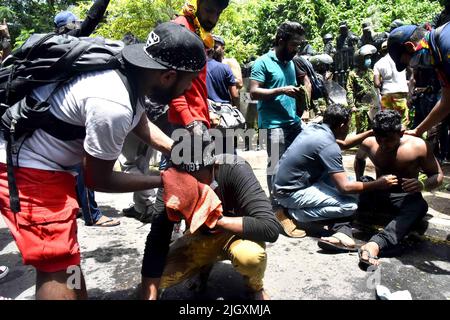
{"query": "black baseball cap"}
pixel 169 46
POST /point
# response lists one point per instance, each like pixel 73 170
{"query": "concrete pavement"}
pixel 297 268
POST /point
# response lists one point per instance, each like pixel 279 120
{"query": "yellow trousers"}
pixel 189 254
pixel 397 102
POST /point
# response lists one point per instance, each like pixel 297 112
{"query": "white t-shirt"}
pixel 98 101
pixel 393 81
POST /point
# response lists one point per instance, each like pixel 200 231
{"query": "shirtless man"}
pixel 403 156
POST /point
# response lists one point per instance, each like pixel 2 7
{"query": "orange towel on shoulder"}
pixel 185 197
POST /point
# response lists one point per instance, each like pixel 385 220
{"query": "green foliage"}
pixel 248 26
pixel 27 16
pixel 137 17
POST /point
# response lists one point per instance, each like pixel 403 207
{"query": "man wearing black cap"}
pixel 415 46
pixel 239 235
pixel 109 105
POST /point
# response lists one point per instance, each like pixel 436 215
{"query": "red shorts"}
pixel 45 229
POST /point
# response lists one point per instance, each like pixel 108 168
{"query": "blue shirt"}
pixel 313 154
pixel 273 73
pixel 219 79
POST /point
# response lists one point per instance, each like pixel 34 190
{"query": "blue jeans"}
pixel 278 141
pixel 321 201
pixel 86 199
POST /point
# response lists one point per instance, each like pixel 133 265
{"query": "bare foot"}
pixel 261 295
pixel 373 249
pixel 340 238
pixel 104 221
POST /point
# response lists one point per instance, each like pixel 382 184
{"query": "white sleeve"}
pixel 377 69
pixel 107 125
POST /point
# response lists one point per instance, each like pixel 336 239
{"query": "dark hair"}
pixel 287 30
pixel 220 3
pixel 387 122
pixel 336 115
pixel 192 153
pixel 418 34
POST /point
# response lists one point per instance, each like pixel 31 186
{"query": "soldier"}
pixel 360 89
pixel 367 36
pixel 328 45
pixel 345 49
pixel 444 16
pixel 395 24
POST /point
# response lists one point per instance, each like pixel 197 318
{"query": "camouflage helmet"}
pixel 363 52
pixel 328 36
pixel 321 59
pixel 396 23
pixel 367 50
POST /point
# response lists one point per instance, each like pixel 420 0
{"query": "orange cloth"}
pixel 185 197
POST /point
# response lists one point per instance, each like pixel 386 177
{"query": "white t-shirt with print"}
pixel 393 80
pixel 98 101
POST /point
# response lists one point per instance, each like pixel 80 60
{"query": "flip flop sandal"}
pixel 289 227
pixel 4 270
pixel 365 262
pixel 337 247
pixel 105 224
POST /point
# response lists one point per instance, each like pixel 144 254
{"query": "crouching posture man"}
pixel 312 185
pixel 235 228
pixel 99 103
pixel 403 156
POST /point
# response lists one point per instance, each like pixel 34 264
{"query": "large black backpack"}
pixel 45 59
pixel 318 89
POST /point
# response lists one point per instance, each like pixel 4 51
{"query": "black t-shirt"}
pixel 241 196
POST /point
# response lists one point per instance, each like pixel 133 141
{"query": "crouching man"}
pixel 235 230
pixel 312 185
pixel 405 157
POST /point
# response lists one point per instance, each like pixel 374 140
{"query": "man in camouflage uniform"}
pixel 360 89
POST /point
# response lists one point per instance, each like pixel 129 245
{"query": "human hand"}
pixel 412 185
pixel 291 91
pixel 412 132
pixel 195 127
pixel 387 181
pixel 4 32
pixel 214 119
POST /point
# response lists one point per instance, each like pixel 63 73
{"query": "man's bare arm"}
pixel 150 134
pixel 234 93
pixel 100 176
pixel 259 93
pixel 377 81
pixel 439 112
pixel 345 186
pixel 350 142
pixel 360 161
pixel 432 169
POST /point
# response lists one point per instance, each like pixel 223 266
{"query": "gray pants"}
pixel 135 159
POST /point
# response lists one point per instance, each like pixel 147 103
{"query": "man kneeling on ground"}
pixel 239 234
pixel 405 157
pixel 312 185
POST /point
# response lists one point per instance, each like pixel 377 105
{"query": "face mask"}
pixel 367 63
pixel 421 59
